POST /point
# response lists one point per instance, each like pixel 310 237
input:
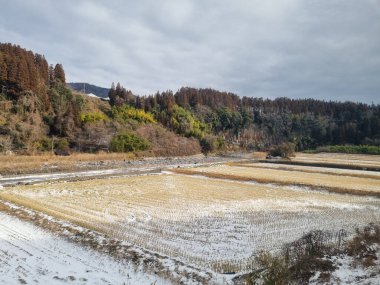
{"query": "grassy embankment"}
pixel 19 164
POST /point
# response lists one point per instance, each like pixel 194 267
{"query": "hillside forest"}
pixel 40 113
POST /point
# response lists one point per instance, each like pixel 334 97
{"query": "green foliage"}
pixel 125 113
pixel 186 123
pixel 211 144
pixel 46 144
pixel 60 96
pixel 285 150
pixel 93 117
pixel 227 119
pixel 128 142
pixel 359 149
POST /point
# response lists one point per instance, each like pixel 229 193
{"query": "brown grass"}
pixel 308 169
pixel 332 183
pixel 19 164
pixel 349 160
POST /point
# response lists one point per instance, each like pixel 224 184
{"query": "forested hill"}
pixel 257 123
pixel 38 112
pixel 89 88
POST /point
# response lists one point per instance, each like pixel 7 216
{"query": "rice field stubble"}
pixel 209 223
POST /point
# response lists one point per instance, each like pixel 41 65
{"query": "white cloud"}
pixel 327 49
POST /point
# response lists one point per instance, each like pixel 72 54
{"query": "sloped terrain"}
pixel 30 255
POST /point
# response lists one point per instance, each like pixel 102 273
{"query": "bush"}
pixel 61 145
pixel 273 270
pixel 298 260
pixel 361 245
pixel 124 113
pixel 93 117
pixel 211 143
pixel 285 150
pixel 128 142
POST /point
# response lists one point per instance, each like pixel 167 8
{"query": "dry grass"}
pixel 18 164
pixel 259 155
pixel 309 169
pixel 214 224
pixel 335 183
pixel 363 160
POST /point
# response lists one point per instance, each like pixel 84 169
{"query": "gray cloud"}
pixel 327 49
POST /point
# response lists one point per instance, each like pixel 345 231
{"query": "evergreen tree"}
pixel 59 73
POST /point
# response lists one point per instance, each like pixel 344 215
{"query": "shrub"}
pixel 93 117
pixel 61 145
pixel 361 246
pixel 128 142
pixel 273 270
pixel 285 150
pixel 5 143
pixel 299 260
pixel 305 256
pixel 211 143
pixel 124 113
pixel 44 144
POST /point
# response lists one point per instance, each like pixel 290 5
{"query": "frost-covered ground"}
pixel 210 224
pixel 30 255
pixel 350 271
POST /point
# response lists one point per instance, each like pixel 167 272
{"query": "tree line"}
pixel 36 104
pixel 258 123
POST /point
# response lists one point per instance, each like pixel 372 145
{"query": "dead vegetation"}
pixel 166 143
pixel 191 212
pixel 361 246
pixel 46 163
pixel 308 169
pixel 151 262
pixel 300 260
pixel 337 160
pixel 318 181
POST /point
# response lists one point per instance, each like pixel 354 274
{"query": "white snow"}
pixel 30 255
pixel 351 272
pixel 92 95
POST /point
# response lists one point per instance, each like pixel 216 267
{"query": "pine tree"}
pixel 112 95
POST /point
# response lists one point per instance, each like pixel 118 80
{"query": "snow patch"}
pixel 28 253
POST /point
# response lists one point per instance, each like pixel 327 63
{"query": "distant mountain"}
pixel 89 88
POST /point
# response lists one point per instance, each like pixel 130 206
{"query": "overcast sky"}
pixel 323 49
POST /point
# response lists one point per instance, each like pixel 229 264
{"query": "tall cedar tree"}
pixel 59 73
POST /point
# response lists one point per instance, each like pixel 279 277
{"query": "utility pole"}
pixel 84 88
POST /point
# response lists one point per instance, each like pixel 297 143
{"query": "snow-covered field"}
pixel 184 228
pixel 208 223
pixel 30 255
